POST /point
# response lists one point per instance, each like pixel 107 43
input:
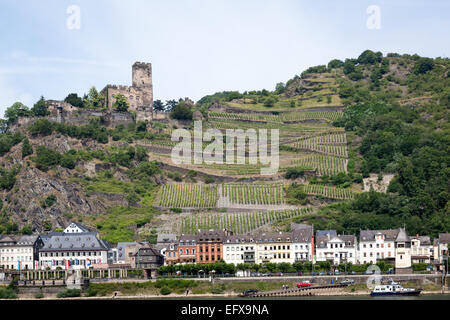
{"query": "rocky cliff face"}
pixel 25 202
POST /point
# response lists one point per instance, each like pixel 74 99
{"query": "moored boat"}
pixel 394 289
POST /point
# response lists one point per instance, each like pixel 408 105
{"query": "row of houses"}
pixel 78 247
pixel 300 245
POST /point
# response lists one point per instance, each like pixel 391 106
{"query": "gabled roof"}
pixel 325 236
pixel 369 235
pixel 424 240
pixel 81 226
pixel 211 235
pixel 322 235
pixel 444 237
pixel 239 238
pixel 297 226
pixel 303 234
pixel 274 237
pixel 402 236
pixel 166 238
pixel 74 241
pixel 187 239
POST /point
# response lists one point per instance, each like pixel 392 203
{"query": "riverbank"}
pixel 228 295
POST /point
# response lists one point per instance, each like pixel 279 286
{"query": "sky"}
pixel 199 47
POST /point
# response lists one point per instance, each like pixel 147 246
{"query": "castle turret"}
pixel 142 74
pixel 140 94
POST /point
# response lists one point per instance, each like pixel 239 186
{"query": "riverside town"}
pixel 225 159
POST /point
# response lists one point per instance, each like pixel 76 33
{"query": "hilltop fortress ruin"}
pixel 139 96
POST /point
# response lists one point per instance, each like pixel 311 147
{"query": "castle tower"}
pixel 142 74
pixel 140 94
pixel 142 79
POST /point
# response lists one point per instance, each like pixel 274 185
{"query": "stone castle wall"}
pixel 140 94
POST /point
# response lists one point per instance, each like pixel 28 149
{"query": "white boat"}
pixel 394 289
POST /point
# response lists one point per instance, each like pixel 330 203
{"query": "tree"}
pixel 349 66
pixel 46 158
pixel 121 104
pixel 40 108
pixel 27 149
pixel 279 88
pixel 423 65
pixel 158 105
pixel 141 126
pixel 94 99
pixel 17 110
pixel 269 102
pixel 182 111
pixel 170 105
pixel 41 126
pixel 74 100
pixel 369 57
pixel 3 125
pixel 335 63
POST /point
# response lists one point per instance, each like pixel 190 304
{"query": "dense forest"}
pixel 407 137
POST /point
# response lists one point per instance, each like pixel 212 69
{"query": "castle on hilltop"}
pixel 140 94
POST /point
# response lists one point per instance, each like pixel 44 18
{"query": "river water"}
pixel 355 297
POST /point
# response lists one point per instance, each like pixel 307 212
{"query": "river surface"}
pixel 362 297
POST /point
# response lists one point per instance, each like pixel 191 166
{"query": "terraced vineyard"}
pixel 312 115
pixel 283 117
pixel 239 223
pixel 258 194
pixel 244 116
pixel 323 164
pixel 334 143
pixel 328 191
pixel 187 196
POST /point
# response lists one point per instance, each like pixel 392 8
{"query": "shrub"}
pixel 121 103
pixel 46 158
pixel 69 293
pixel 8 177
pixel 294 172
pixel 41 126
pixel 39 295
pixel 219 289
pixel 74 100
pixel 8 140
pixel 40 108
pixel 7 293
pixel 209 180
pixel 49 201
pixel 423 65
pixel 91 292
pixel 165 291
pixel 27 149
pixel 182 111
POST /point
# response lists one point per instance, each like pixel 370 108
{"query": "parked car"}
pixel 353 272
pixel 314 273
pixel 299 273
pixel 250 292
pixel 336 273
pixel 279 274
pixel 321 273
pixel 348 281
pixel 390 271
pixel 330 273
pixel 304 284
